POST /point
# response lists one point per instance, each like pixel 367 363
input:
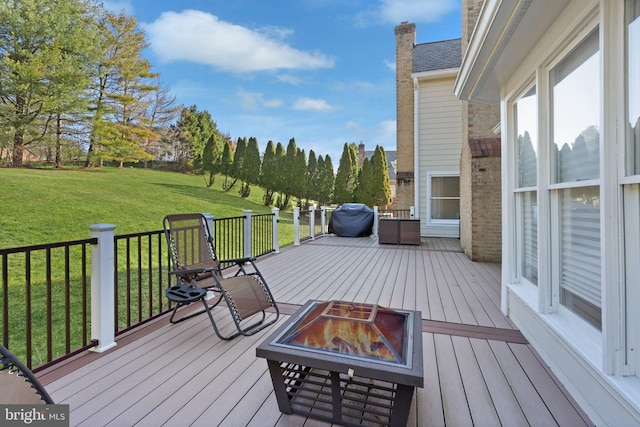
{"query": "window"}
pixel 575 173
pixel 444 198
pixel 526 181
pixel 576 114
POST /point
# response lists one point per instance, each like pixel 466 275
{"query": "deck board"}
pixel 478 368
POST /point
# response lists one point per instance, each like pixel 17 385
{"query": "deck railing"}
pixel 59 299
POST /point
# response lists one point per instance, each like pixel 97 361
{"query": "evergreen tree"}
pixel 326 179
pixel 347 175
pixel 238 159
pixel 268 174
pixel 380 189
pixel 250 171
pixel 226 166
pixel 288 186
pixel 300 176
pixel 46 52
pixel 364 191
pixel 312 177
pixel 117 84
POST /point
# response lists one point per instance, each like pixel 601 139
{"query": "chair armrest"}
pixel 192 271
pixel 237 260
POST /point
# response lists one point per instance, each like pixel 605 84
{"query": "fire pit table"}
pixel 346 363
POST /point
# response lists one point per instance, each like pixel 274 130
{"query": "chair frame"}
pixel 8 361
pixel 188 275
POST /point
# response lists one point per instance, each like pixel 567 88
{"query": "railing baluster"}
pixel 67 301
pixel 28 308
pixel 5 300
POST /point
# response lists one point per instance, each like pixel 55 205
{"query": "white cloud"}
pixel 416 11
pixel 390 64
pixel 309 104
pixel 289 79
pixel 353 125
pixel 255 100
pixel 200 37
pixel 387 128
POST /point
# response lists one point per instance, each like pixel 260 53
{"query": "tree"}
pixel 347 175
pixel 268 174
pixel 45 48
pixel 312 177
pixel 194 130
pixel 250 170
pixel 282 201
pixel 119 79
pixel 238 159
pixel 163 110
pixel 226 166
pixel 364 191
pixel 380 189
pixel 326 180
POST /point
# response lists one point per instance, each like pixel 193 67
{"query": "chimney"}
pixel 405 41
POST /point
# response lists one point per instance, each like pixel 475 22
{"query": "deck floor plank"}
pixel 477 394
pixel 474 375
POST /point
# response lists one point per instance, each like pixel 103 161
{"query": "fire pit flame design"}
pixel 352 330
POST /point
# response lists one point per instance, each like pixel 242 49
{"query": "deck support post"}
pixel 312 221
pixel 102 287
pixel 275 232
pixel 246 244
pixel 296 226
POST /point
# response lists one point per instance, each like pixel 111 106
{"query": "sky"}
pixel 319 71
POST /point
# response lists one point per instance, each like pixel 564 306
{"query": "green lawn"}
pixel 41 206
pixel 45 206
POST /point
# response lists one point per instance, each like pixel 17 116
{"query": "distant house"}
pixel 565 75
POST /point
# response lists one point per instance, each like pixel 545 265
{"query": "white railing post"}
pixel 247 233
pixel 375 221
pixel 275 232
pixel 209 219
pixel 412 212
pixel 102 287
pixel 312 221
pixel 323 219
pixel 296 226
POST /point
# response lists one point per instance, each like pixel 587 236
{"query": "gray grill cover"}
pixel 352 220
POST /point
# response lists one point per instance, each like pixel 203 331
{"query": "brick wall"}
pixel 405 40
pixel 480 183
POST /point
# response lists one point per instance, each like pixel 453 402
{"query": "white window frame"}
pixel 518 191
pixel 440 222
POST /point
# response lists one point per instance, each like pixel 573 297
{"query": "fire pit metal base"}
pixel 339 389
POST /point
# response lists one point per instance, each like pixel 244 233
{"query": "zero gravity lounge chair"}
pixel 18 385
pixel 198 269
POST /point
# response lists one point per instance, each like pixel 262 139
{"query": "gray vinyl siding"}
pixel 440 142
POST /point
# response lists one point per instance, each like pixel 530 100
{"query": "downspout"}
pixel 416 152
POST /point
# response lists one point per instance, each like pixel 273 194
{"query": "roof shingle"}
pixel 440 55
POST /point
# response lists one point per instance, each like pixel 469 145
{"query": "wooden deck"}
pixel 478 369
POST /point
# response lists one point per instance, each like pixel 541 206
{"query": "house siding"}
pixel 440 141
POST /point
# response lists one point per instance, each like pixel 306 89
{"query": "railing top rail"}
pixel 90 241
pixel 140 234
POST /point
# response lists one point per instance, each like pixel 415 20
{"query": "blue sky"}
pixel 319 71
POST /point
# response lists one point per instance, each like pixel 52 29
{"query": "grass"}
pixel 46 206
pixel 42 206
